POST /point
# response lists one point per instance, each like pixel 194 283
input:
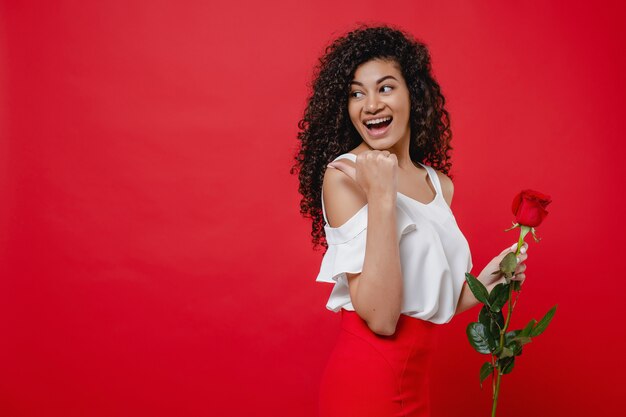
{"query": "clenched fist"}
pixel 376 172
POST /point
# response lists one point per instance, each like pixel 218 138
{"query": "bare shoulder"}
pixel 343 197
pixel 447 186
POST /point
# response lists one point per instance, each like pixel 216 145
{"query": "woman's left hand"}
pixel 490 280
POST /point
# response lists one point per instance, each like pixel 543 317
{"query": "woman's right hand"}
pixel 376 172
pixel 490 280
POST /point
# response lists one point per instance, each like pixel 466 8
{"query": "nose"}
pixel 372 105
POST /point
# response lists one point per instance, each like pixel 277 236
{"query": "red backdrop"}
pixel 153 259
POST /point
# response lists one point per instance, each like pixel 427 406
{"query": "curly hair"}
pixel 326 131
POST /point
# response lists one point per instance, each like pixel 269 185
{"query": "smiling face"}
pixel 379 105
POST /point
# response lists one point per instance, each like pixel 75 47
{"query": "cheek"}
pixel 401 108
pixel 404 105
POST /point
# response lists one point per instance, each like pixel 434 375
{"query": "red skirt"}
pixel 379 376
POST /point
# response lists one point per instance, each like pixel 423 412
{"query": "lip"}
pixel 378 134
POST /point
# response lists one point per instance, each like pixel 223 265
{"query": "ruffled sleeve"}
pixel 346 245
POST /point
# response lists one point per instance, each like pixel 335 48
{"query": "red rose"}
pixel 529 207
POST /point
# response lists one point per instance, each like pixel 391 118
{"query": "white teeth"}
pixel 383 119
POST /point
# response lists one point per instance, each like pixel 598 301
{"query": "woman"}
pixel 395 254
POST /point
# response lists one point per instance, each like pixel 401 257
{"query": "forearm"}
pixel 467 299
pixel 379 293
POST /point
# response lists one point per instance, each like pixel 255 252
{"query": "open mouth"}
pixel 378 125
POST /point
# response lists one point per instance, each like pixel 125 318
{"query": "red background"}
pixel 153 259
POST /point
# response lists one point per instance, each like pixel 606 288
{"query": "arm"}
pixel 467 299
pixel 489 280
pixel 376 292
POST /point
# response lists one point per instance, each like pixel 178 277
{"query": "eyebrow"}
pixel 377 82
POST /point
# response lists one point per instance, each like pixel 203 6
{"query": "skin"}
pixel 383 168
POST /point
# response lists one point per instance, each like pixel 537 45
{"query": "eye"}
pixel 354 94
pixel 387 86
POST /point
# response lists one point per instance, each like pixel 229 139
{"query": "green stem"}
pixel 520 243
pixel 493 376
pixel 516 297
pixel 508 316
pixel 495 397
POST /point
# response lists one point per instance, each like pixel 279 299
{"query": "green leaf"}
pixel 511 342
pixel 543 323
pixel 499 318
pixel 485 371
pixel 499 296
pixel 493 320
pixel 523 340
pixel 529 327
pixel 484 316
pixel 478 336
pixel 498 351
pixel 508 336
pixel 494 292
pixel 508 264
pixel 493 339
pixel 506 364
pixel 477 288
pixel 506 352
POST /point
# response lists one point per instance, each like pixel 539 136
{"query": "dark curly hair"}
pixel 326 130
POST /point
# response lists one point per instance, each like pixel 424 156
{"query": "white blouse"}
pixel 434 255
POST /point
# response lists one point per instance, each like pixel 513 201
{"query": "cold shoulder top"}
pixel 434 255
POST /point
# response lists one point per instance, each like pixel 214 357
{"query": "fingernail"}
pixel 330 166
pixel 523 250
pixel 517 259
